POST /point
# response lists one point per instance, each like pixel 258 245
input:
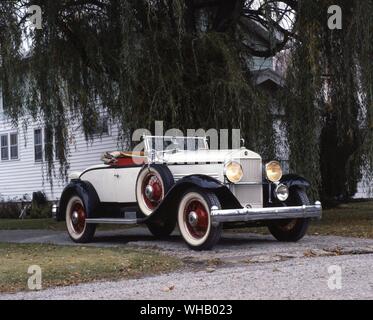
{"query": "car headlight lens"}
pixel 233 171
pixel 273 171
pixel 282 192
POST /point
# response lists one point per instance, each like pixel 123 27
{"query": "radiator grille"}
pixel 252 169
pixel 252 193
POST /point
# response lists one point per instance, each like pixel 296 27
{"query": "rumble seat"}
pixel 124 158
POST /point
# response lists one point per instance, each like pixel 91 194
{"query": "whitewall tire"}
pixel 152 185
pixel 194 219
pixel 76 215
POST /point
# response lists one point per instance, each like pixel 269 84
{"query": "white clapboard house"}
pixel 22 158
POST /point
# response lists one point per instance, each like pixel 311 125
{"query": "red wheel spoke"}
pixel 155 184
pixel 200 217
pixel 78 217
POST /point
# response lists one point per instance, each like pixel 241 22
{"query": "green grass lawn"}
pixel 31 224
pixel 66 265
pixel 351 220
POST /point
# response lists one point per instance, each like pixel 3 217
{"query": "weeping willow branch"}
pixel 140 61
pixel 185 62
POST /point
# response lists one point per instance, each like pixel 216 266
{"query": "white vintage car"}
pixel 178 180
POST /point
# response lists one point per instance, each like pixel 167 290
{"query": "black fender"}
pixel 85 191
pixel 169 206
pixel 290 180
pixel 293 180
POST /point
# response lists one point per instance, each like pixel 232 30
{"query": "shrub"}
pixel 10 210
pixel 37 209
pixel 40 211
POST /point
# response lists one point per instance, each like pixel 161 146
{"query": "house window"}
pixel 57 148
pixel 102 127
pixel 4 147
pixel 105 125
pixel 14 146
pixel 51 145
pixel 48 143
pixel 38 145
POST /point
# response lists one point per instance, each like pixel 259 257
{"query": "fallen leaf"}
pixel 309 253
pixel 168 289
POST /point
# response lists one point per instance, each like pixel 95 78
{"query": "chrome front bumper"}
pixel 262 214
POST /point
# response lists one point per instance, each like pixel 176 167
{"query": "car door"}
pixel 104 181
pixel 126 184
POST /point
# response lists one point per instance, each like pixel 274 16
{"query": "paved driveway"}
pixel 232 248
pixel 242 266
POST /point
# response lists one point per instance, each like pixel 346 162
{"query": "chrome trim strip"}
pixel 248 183
pixel 182 175
pixel 259 214
pixel 115 221
pixel 179 176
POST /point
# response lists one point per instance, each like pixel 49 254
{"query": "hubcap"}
pixel 75 217
pixel 78 217
pixel 193 218
pixel 196 217
pixel 149 192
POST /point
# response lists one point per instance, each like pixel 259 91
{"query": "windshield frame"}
pixel 148 147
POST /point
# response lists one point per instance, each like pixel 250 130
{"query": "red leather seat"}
pixel 129 161
pixel 124 159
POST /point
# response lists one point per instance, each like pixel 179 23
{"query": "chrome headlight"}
pixel 282 192
pixel 273 171
pixel 233 172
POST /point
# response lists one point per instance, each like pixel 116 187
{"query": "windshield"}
pixel 163 143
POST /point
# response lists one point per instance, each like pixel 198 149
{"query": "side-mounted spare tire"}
pixel 152 185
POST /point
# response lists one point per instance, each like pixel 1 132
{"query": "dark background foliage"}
pixel 186 62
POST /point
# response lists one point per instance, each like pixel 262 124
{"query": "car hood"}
pixel 200 156
pixel 214 156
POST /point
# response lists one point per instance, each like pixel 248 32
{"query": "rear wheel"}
pixel 292 230
pixel 194 219
pixel 77 227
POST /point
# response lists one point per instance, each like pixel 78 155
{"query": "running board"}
pixel 115 221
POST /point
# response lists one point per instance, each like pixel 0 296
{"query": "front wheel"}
pixel 79 230
pixel 292 230
pixel 194 219
pixel 161 229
